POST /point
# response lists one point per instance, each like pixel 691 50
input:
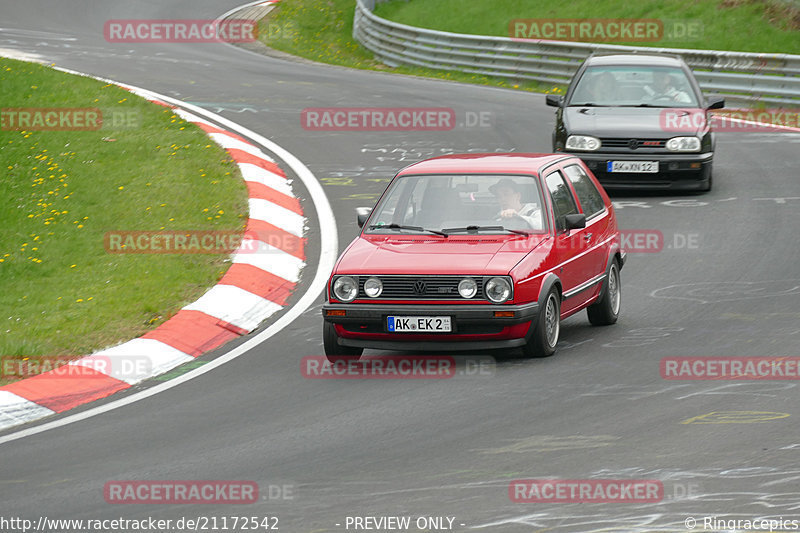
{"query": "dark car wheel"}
pixel 546 328
pixel 605 311
pixel 333 350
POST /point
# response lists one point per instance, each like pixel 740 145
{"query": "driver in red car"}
pixel 509 195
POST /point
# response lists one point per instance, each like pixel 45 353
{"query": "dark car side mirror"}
pixel 362 214
pixel 715 102
pixel 554 100
pixel 575 221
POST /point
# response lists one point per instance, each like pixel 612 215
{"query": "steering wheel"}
pixel 515 217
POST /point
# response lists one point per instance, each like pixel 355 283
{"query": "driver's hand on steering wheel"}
pixel 508 213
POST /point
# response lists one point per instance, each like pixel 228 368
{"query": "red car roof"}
pixel 491 163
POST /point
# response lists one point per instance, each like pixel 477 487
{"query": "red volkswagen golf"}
pixel 476 252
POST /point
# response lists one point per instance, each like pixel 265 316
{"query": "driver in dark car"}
pixel 509 196
pixel 664 89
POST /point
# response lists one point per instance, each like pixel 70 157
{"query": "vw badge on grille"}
pixel 419 287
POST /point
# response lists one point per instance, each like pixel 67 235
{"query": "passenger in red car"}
pixel 509 196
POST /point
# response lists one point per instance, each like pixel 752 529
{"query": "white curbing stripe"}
pixel 236 306
pixel 15 410
pixel 257 174
pixel 135 360
pixel 277 216
pixel 272 260
pixel 228 142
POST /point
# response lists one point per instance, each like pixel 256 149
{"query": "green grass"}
pixel 738 25
pixel 322 30
pixel 62 293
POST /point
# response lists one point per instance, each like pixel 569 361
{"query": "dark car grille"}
pixel 421 287
pixel 629 143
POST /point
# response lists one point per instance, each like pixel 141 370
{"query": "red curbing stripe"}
pixel 208 128
pixel 194 332
pixel 240 156
pixel 66 387
pixel 259 282
pixel 259 191
pixel 276 237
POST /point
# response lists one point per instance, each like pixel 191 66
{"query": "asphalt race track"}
pixel 725 281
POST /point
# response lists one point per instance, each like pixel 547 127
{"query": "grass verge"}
pixel 321 30
pixel 145 169
pixel 736 25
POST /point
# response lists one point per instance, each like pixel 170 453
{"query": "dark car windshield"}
pixel 635 86
pixel 459 204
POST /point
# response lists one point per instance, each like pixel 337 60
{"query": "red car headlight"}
pixel 498 290
pixel 345 288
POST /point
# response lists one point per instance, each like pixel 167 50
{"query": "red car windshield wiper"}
pixel 485 228
pixel 412 228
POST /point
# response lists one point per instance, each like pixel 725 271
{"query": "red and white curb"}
pixel 256 285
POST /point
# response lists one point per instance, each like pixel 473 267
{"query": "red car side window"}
pixel 588 195
pixel 563 201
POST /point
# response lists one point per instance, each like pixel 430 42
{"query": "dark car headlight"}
pixel 584 143
pixel 498 290
pixel 345 288
pixel 683 144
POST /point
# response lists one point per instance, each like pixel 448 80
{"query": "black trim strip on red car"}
pixel 584 286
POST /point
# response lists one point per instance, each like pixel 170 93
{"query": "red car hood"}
pixel 489 254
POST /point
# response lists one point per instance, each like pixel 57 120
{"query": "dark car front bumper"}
pixel 474 327
pixel 684 171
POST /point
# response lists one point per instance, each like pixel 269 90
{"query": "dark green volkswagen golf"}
pixel 638 121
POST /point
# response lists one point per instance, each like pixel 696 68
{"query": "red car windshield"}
pixel 458 203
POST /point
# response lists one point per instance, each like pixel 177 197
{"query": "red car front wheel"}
pixel 547 328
